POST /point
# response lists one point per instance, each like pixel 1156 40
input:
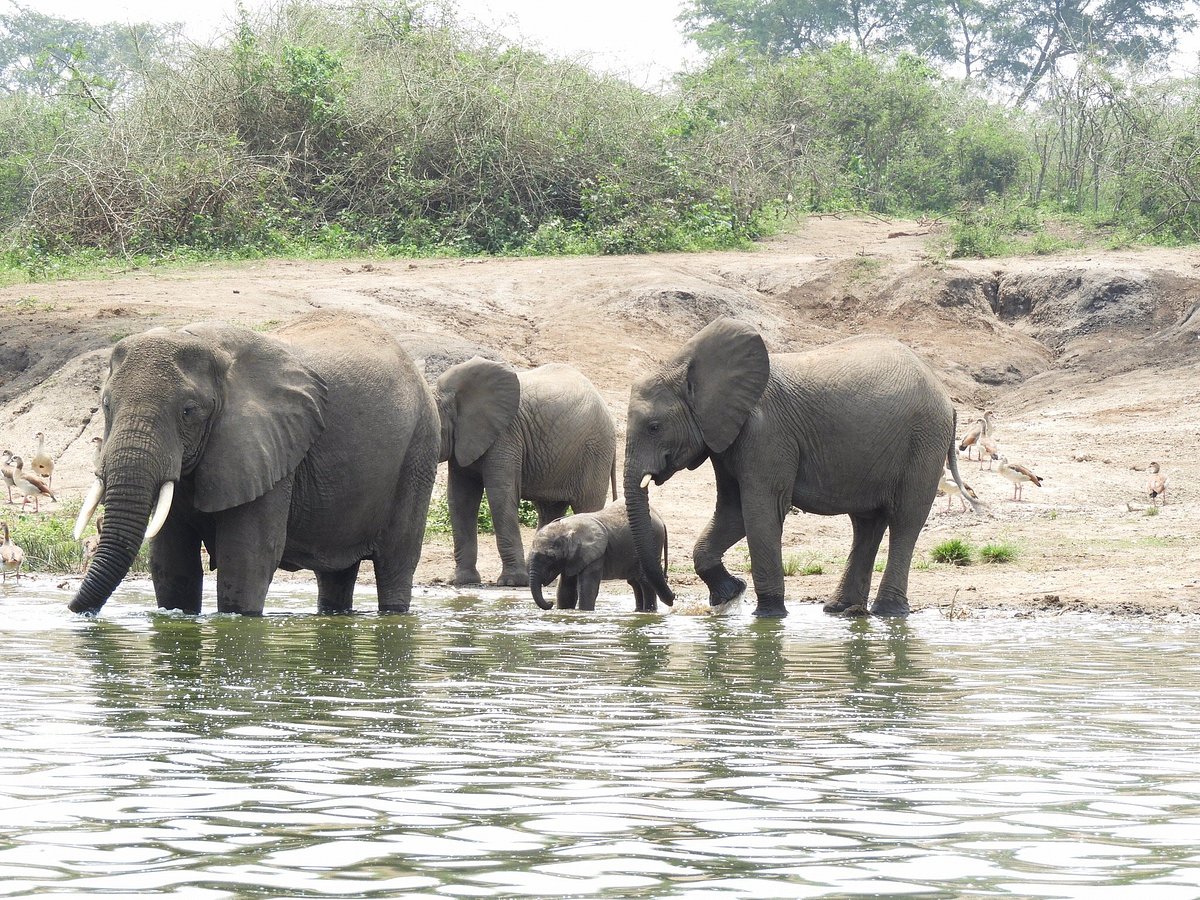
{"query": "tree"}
pixel 46 56
pixel 1013 43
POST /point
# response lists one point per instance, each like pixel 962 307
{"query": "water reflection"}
pixel 475 749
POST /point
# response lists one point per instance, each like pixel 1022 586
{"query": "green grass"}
pixel 1152 510
pixel 955 552
pixel 48 544
pixel 794 564
pixel 880 564
pixel 438 519
pixel 999 552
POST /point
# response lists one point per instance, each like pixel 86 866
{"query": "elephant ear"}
pixel 482 397
pixel 272 410
pixel 584 543
pixel 726 369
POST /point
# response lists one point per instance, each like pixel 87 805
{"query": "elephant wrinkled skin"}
pixel 584 549
pixel 861 427
pixel 312 448
pixel 544 435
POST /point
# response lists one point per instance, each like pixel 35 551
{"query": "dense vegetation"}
pixel 390 128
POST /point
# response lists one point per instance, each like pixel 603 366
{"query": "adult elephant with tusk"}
pixel 861 427
pixel 313 448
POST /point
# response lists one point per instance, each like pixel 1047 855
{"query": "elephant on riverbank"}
pixel 584 549
pixel 543 435
pixel 861 427
pixel 312 448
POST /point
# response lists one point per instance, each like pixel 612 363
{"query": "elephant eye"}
pixel 654 428
pixel 190 410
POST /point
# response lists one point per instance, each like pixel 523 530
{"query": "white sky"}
pixel 636 38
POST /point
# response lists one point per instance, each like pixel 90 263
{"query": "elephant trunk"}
pixel 645 541
pixel 539 576
pixel 132 484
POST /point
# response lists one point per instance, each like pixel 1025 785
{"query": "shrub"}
pixel 438 519
pixel 1002 552
pixel 955 552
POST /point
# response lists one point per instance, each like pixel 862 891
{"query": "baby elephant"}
pixel 588 548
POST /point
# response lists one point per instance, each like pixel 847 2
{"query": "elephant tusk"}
pixel 161 509
pixel 646 481
pixel 90 502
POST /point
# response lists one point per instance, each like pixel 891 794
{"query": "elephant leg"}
pixel 763 512
pixel 250 539
pixel 503 499
pixel 903 530
pixel 550 511
pixel 396 563
pixel 855 587
pixel 566 597
pixel 464 492
pixel 175 567
pixel 646 599
pixel 335 590
pixel 724 529
pixel 589 586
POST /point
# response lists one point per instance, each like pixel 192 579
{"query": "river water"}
pixel 480 747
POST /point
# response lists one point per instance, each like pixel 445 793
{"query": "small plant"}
pixel 1152 510
pixel 813 568
pixel 1002 552
pixel 880 564
pixel 438 519
pixel 955 552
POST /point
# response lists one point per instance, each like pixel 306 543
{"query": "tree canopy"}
pixel 1011 43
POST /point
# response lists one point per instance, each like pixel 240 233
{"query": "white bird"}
pixel 988 447
pixel 950 489
pixel 10 478
pixel 41 462
pixel 30 485
pixel 981 427
pixel 11 556
pixel 1018 475
pixel 1157 485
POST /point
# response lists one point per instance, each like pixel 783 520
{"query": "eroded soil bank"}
pixel 1090 361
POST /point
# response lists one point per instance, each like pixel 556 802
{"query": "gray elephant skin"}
pixel 861 427
pixel 587 548
pixel 543 435
pixel 312 448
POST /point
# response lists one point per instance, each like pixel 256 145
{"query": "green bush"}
pixel 1002 552
pixel 438 519
pixel 955 552
pixel 49 546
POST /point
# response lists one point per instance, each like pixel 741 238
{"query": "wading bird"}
pixel 1019 476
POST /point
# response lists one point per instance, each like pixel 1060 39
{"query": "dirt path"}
pixel 1090 361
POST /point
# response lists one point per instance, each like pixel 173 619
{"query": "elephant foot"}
pixel 513 579
pixel 396 608
pixel 770 608
pixel 846 608
pixel 466 576
pixel 890 606
pixel 648 606
pixel 722 587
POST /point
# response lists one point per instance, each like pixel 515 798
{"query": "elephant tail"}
pixel 952 465
pixel 612 475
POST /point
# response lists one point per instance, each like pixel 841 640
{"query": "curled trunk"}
pixel 132 479
pixel 536 579
pixel 645 542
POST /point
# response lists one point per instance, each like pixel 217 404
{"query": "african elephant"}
pixel 860 427
pixel 312 448
pixel 587 548
pixel 543 435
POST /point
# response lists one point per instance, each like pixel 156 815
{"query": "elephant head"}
pixel 692 406
pixel 231 410
pixel 477 400
pixel 563 547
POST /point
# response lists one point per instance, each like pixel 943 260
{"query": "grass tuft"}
pixel 1002 552
pixel 955 552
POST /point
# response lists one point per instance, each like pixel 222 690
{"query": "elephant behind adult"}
pixel 312 448
pixel 861 427
pixel 543 435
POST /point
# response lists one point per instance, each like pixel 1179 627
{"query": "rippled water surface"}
pixel 479 747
